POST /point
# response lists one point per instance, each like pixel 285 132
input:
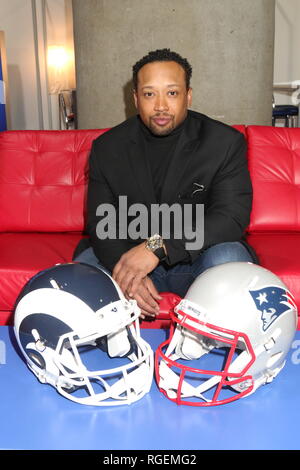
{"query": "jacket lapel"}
pixel 185 149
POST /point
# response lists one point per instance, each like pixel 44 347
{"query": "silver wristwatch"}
pixel 155 244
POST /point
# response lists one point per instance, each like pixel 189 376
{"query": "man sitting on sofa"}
pixel 166 155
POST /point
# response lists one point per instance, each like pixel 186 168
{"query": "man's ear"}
pixel 135 98
pixel 189 97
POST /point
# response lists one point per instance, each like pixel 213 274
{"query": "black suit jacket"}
pixel 208 153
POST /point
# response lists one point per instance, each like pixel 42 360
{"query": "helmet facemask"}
pixel 124 378
pixel 73 367
pixel 227 356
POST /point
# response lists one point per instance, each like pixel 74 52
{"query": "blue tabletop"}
pixel 35 416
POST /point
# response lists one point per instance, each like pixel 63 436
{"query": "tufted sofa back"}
pixel 43 179
pixel 43 176
pixel 274 164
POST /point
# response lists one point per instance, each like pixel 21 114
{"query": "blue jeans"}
pixel 177 279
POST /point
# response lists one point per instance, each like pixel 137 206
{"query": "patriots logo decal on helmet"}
pixel 272 302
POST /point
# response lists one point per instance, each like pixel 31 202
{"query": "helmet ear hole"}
pixel 36 358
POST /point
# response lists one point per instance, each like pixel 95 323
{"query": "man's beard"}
pixel 162 131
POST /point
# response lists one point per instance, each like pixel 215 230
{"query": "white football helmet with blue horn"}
pixel 78 333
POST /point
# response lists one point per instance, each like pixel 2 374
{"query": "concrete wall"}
pixel 286 47
pixel 16 22
pixel 230 44
pixel 27 34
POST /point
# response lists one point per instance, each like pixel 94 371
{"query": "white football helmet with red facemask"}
pixel 231 334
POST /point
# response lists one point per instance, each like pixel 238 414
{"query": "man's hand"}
pixel 147 298
pixel 132 267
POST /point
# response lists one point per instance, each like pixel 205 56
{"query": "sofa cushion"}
pixel 24 254
pixel 274 164
pixel 279 252
pixel 43 179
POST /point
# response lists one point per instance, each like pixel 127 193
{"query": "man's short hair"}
pixel 162 55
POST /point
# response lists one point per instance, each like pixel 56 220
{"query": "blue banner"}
pixel 2 100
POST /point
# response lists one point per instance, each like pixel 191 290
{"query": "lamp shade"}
pixel 60 63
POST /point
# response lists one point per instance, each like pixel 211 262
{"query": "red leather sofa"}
pixel 43 181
